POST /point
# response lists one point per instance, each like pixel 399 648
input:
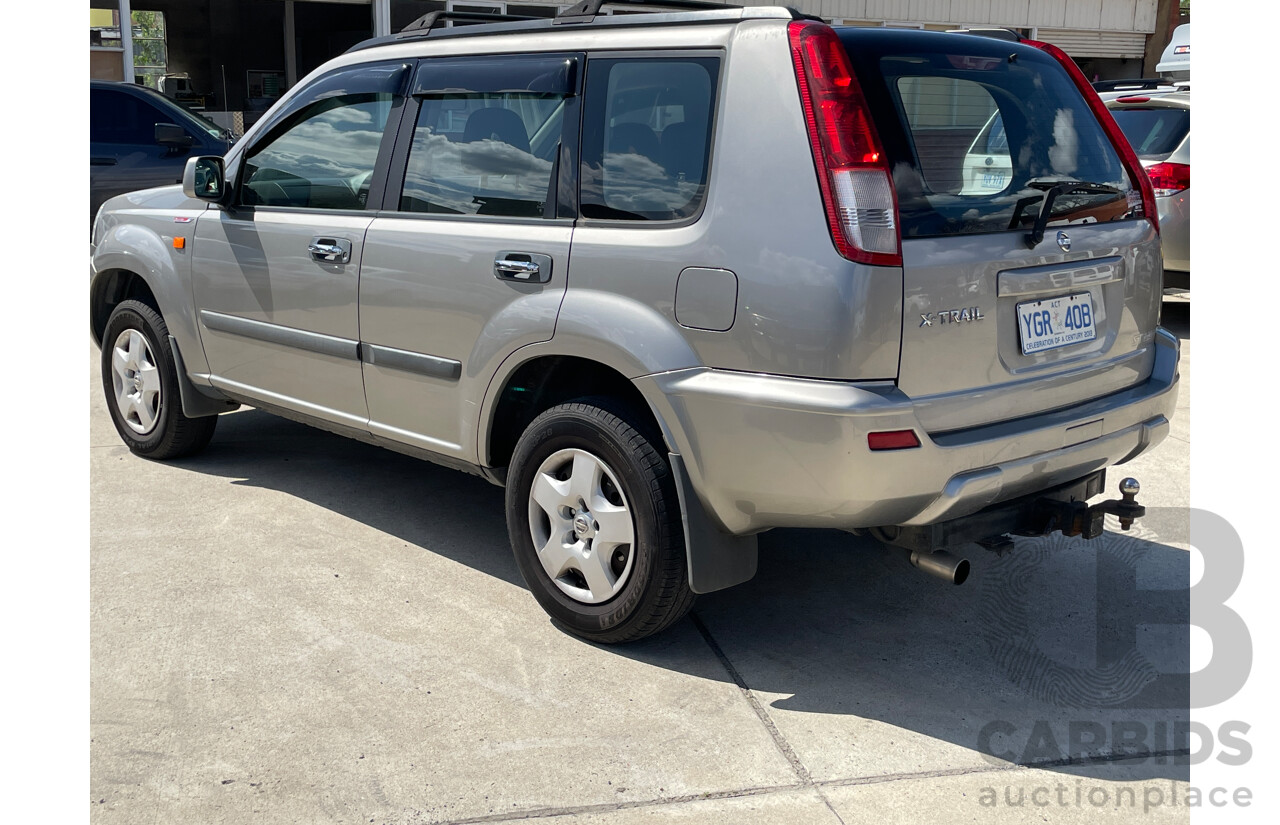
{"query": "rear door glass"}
pixel 977 130
pixel 487 135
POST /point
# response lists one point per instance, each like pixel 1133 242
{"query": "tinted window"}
pixel 487 135
pixel 1153 132
pixel 321 151
pixel 483 154
pixel 119 117
pixel 976 130
pixel 324 159
pixel 647 137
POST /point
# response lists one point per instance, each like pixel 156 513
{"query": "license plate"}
pixel 1055 322
pixel 992 181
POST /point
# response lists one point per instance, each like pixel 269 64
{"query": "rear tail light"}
pixel 1169 178
pixel 1137 176
pixel 853 174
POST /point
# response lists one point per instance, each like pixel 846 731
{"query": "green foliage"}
pixel 149 40
pixel 148 24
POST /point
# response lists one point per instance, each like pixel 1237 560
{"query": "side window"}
pixel 487 136
pixel 324 160
pixel 646 139
pixel 119 117
pixel 323 153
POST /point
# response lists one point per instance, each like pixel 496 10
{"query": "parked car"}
pixel 138 139
pixel 1136 84
pixel 987 165
pixel 1159 129
pixel 780 309
pixel 1175 60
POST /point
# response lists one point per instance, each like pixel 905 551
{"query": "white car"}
pixel 987 166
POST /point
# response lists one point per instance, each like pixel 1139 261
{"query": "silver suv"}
pixel 673 279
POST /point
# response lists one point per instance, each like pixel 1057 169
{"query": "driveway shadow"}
pixel 1175 316
pixel 1061 651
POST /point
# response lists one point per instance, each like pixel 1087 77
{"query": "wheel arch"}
pixel 110 288
pixel 133 260
pixel 537 383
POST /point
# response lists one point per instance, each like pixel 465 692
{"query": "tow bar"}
pixel 1076 518
pixel 1064 509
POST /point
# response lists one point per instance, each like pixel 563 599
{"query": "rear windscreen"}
pixel 1153 133
pixel 977 130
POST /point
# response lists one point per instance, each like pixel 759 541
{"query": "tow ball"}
pixel 1125 508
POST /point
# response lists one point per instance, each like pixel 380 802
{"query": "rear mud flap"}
pixel 716 559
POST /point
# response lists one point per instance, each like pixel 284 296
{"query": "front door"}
pixel 277 276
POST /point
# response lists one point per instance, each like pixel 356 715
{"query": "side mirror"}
pixel 204 178
pixel 173 136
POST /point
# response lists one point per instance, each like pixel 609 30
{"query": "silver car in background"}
pixel 1158 126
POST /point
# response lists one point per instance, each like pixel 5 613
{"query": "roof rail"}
pixel 436 19
pixel 586 10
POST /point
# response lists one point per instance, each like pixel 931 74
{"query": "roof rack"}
pixel 437 19
pixel 586 11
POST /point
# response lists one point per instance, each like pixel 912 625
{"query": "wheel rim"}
pixel 136 381
pixel 581 526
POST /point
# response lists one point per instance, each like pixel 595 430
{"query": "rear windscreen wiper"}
pixel 1053 188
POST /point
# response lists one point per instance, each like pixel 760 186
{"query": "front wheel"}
pixel 595 523
pixel 141 385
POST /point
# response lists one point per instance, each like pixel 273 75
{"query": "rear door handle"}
pixel 525 267
pixel 330 250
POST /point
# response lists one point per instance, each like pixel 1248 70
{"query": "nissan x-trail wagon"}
pixel 673 279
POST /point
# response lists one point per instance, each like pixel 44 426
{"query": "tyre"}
pixel 141 385
pixel 595 523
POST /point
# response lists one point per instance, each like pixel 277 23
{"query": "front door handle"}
pixel 330 250
pixel 525 267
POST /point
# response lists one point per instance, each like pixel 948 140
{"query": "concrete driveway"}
pixel 293 627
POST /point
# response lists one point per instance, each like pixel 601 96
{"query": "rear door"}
pixel 999 324
pixel 468 260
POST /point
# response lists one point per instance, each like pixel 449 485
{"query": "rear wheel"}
pixel 140 380
pixel 595 523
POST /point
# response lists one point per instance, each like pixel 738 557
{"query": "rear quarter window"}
pixel 646 137
pixel 977 129
pixel 1153 133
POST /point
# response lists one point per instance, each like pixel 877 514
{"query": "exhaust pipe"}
pixel 941 564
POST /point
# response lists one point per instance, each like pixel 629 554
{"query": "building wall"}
pixel 106 64
pixel 211 38
pixel 1094 15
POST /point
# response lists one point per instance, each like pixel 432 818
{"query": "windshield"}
pixel 197 120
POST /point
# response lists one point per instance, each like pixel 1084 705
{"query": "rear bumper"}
pixel 767 451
